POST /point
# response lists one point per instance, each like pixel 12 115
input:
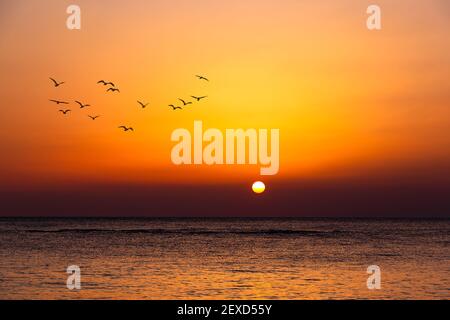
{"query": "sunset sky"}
pixel 364 116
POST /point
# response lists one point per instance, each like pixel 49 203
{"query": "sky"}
pixel 364 116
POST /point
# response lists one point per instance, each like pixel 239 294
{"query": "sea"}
pixel 224 258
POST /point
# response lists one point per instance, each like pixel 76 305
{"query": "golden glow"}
pixel 345 99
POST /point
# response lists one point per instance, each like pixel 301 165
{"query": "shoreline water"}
pixel 233 258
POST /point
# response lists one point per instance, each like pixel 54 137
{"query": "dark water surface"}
pixel 243 258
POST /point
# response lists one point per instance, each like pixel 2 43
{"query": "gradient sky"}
pixel 364 116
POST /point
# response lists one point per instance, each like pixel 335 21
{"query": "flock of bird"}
pixel 112 88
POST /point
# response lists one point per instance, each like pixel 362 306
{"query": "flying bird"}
pixel 105 83
pixel 175 107
pixel 93 117
pixel 199 98
pixel 184 102
pixel 82 105
pixel 126 128
pixel 65 111
pixel 56 83
pixel 142 104
pixel 58 102
pixel 113 90
pixel 202 78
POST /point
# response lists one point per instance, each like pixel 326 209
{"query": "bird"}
pixel 56 83
pixel 58 102
pixel 106 83
pixel 143 105
pixel 184 102
pixel 93 117
pixel 113 90
pixel 199 98
pixel 82 105
pixel 65 111
pixel 126 128
pixel 202 78
pixel 175 107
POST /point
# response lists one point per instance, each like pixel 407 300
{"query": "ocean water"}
pixel 243 258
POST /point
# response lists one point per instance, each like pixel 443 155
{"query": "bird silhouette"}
pixel 142 104
pixel 65 111
pixel 184 102
pixel 126 128
pixel 58 102
pixel 82 105
pixel 175 107
pixel 113 90
pixel 199 98
pixel 202 78
pixel 105 83
pixel 93 117
pixel 56 83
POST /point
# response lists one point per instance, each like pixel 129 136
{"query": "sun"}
pixel 258 187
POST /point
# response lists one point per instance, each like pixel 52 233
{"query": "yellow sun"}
pixel 258 187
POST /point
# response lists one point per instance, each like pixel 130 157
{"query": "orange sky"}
pixel 347 101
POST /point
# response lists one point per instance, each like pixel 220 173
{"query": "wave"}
pixel 263 232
